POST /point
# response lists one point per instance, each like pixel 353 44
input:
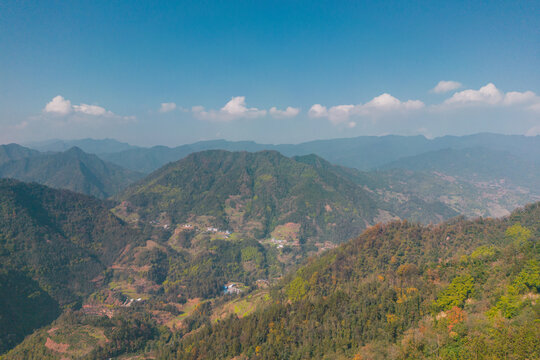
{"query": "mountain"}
pixel 91 146
pixel 54 246
pixel 265 195
pixel 363 153
pixel 73 169
pixel 12 152
pixel 253 193
pixel 476 165
pixel 459 290
pixel 150 159
pixel 370 152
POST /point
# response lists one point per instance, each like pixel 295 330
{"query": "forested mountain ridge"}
pixel 255 193
pixel 458 290
pixel 73 170
pixel 471 168
pixel 54 244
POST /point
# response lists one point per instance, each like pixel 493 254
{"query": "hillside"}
pixel 12 152
pixel 476 165
pixel 459 290
pixel 73 170
pixel 53 246
pixel 466 197
pixel 265 195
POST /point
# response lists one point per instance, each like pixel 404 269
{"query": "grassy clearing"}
pixel 81 339
pixel 127 289
pixel 242 306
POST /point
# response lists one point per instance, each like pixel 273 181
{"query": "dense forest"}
pixel 459 290
pixel 53 245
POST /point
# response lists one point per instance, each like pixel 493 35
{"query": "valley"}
pixel 228 240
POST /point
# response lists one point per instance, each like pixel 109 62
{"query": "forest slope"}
pixel 53 246
pixel 459 290
pixel 254 193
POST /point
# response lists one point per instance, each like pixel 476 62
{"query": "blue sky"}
pixel 230 69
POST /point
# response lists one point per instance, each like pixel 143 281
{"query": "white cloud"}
pixel 387 102
pixel 317 111
pixel 340 113
pixel 289 112
pixel 58 106
pixel 379 105
pixel 516 97
pixel 491 96
pixel 167 107
pixel 446 86
pixel 336 114
pixel 93 110
pixel 235 109
pixel 488 94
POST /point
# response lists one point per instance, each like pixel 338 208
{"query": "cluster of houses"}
pixel 278 242
pixel 158 223
pixel 209 229
pixel 129 302
pixel 232 288
pixel 216 230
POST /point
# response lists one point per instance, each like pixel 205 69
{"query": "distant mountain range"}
pixel 87 145
pixel 72 169
pixel 363 153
